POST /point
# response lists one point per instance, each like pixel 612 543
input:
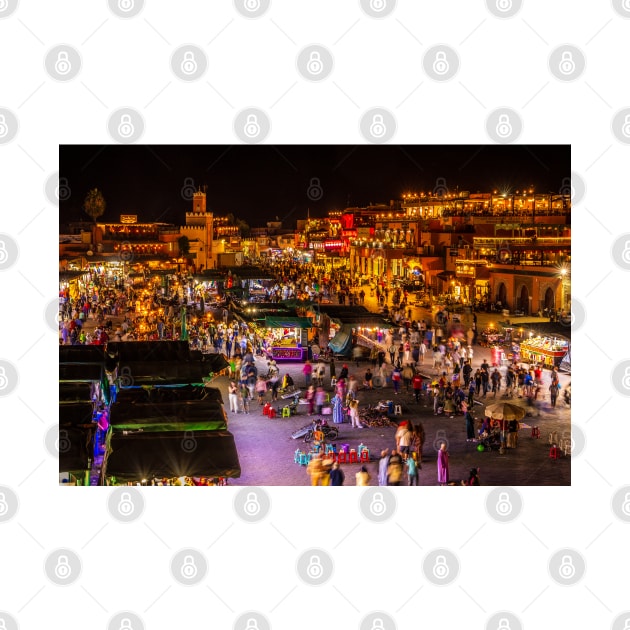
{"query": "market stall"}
pixel 286 338
pixel 548 351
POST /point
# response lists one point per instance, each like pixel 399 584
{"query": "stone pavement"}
pixel 266 449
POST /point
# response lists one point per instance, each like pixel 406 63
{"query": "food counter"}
pixel 549 351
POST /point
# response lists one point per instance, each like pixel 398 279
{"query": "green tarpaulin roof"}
pixel 288 322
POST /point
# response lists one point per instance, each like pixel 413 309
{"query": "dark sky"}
pixel 258 183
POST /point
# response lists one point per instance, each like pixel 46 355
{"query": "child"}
pixel 412 471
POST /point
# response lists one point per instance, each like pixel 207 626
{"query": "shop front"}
pixel 286 338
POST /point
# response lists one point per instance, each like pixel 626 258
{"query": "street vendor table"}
pixel 545 350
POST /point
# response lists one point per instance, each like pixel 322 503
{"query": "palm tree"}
pixel 94 204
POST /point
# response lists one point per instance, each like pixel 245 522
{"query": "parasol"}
pixel 505 411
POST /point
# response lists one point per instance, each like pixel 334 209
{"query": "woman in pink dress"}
pixel 442 465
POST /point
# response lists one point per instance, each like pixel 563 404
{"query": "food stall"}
pixel 287 337
pixel 548 351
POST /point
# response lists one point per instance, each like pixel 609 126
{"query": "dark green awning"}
pixel 288 322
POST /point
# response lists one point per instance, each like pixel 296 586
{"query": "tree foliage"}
pixel 94 204
pixel 184 245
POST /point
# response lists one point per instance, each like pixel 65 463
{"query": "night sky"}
pixel 259 183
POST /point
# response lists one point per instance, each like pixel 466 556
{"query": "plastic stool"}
pixel 286 412
pixel 341 457
pixel 304 458
pixel 345 448
pixel 266 409
pixel 566 447
pixel 365 455
pixel 327 398
pixel 553 437
pixel 272 412
pixel 398 410
pixel 353 457
pixel 554 452
pixel 361 448
pixel 296 457
pixel 535 432
pixel 329 449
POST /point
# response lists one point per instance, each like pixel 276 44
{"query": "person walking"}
pixel 244 397
pixel 233 395
pixel 412 472
pixel 261 389
pixel 353 410
pixel 553 391
pixel 337 409
pixel 383 463
pixel 368 379
pixel 396 378
pixel 407 375
pixel 315 469
pixel 416 383
pixel 442 465
pixel 320 398
pixel 496 382
pixel 394 469
pixel 470 427
pixel 363 477
pixel 307 370
pixel 392 353
pixel 337 476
